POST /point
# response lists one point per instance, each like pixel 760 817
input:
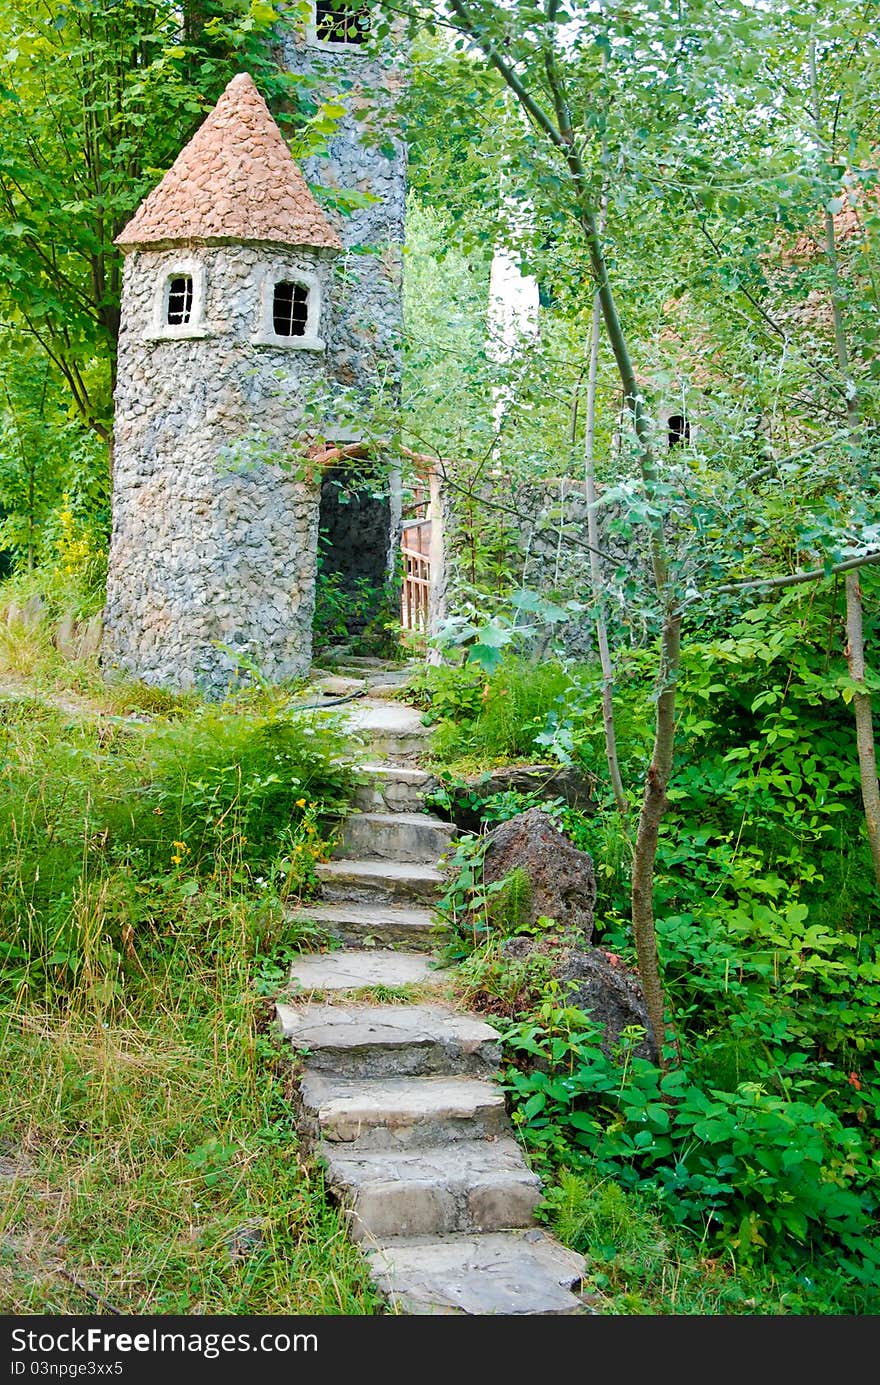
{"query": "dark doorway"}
pixel 354 594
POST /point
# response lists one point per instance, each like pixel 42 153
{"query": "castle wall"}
pixel 367 155
pixel 214 524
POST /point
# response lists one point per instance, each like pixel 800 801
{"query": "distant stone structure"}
pixel 366 156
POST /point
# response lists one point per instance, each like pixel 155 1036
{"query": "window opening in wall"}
pixel 342 21
pixel 290 309
pixel 678 430
pixel 180 300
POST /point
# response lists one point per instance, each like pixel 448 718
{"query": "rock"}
pixel 65 637
pixel 563 882
pixel 550 781
pixel 611 994
pixel 89 637
pixel 597 982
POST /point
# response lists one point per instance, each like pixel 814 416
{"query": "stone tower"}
pixel 224 318
pixel 366 155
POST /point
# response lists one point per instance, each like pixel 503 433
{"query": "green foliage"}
pixel 759 1143
pixel 640 1263
pixel 752 1170
pixel 359 614
pixel 448 692
pixel 151 1152
pixel 510 909
pixel 490 720
pixel 105 829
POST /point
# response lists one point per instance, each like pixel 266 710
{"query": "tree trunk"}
pixel 855 656
pixel 653 808
pixel 596 571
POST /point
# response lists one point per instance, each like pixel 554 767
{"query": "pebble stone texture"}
pixel 214 541
pixel 366 154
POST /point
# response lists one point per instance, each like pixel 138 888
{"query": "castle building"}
pixel 248 316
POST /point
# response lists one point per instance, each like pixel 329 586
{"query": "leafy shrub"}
pixel 495 718
pixel 753 1170
pixel 363 616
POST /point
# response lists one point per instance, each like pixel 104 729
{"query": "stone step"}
pixel 333 685
pixel 395 837
pixel 382 923
pixel 498 1273
pixel 401 1112
pixel 349 970
pixel 375 881
pixel 392 788
pixel 371 663
pixel 472 1185
pixel 379 1041
pixel 390 727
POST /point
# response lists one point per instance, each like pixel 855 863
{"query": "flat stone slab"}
pixel 386 717
pixel 502 1272
pixel 378 879
pixel 384 923
pixel 397 836
pixel 395 787
pixel 402 1111
pixel 472 1185
pixel 379 1041
pixel 332 686
pixel 401 774
pixel 349 970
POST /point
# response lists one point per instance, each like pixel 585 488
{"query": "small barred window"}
pixel 180 300
pixel 290 309
pixel 342 21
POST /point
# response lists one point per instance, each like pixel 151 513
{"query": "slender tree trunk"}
pixel 596 571
pixel 855 628
pixel 653 807
pixel 559 130
pixel 855 654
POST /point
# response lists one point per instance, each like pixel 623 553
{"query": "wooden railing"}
pixel 415 547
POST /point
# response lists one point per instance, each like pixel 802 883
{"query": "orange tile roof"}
pixel 234 181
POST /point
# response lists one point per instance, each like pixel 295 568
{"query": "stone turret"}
pixel 222 348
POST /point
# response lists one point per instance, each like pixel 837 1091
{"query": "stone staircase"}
pixel 398 1096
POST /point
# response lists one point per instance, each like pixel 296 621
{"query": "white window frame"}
pixel 163 330
pixel 266 334
pixel 328 45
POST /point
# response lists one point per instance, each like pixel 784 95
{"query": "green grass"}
pixel 148 1155
pixel 152 1160
pixel 501 722
pixel 637 1265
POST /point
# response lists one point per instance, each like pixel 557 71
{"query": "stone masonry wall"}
pixel 214 541
pixel 367 154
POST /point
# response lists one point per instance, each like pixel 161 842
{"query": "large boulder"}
pixel 562 879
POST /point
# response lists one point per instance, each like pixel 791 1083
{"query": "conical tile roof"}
pixel 234 181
